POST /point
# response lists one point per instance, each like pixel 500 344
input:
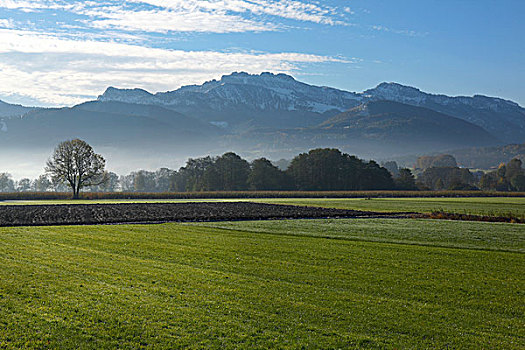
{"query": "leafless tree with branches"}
pixel 75 163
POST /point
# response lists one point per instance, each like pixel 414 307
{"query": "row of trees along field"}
pixel 319 169
pixel 442 172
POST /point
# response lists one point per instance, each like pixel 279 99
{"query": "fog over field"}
pixel 23 163
pixel 31 163
pixel 257 115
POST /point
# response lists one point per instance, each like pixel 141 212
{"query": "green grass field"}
pixel 496 206
pixel 275 284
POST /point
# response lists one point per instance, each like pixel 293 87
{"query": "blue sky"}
pixel 56 53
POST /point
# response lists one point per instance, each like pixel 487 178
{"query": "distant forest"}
pixel 323 169
pixel 478 157
pixel 488 157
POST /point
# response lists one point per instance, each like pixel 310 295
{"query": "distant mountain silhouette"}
pixel 405 127
pixel 114 124
pixel 10 110
pixel 243 101
pixel 504 119
pixel 269 114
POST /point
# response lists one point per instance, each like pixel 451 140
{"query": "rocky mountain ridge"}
pixel 266 91
pixel 246 94
pixel 271 115
pixel 503 118
pixel 12 110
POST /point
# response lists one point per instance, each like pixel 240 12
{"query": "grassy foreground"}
pixel 498 206
pixel 274 284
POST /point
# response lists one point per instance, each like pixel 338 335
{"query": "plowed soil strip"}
pixel 89 214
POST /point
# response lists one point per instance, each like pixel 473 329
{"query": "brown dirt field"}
pixel 87 214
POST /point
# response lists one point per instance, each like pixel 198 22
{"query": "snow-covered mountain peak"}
pixel 265 91
pixel 267 80
pixel 411 95
pixel 126 95
pixel 396 88
pixel 396 92
pixel 243 77
pixel 245 95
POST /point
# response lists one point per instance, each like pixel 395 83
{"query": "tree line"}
pixel 442 173
pixel 74 165
pixel 319 169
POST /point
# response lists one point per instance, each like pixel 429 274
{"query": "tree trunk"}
pixel 77 190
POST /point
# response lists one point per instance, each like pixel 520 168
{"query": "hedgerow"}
pixel 253 194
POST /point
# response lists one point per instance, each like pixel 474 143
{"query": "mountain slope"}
pixel 115 124
pixel 404 126
pixel 266 91
pixel 504 119
pixel 10 110
pixel 162 115
pixel 242 102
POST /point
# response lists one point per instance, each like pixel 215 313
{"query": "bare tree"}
pixel 75 163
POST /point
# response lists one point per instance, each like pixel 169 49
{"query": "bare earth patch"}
pixel 85 214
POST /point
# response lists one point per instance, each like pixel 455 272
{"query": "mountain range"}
pixel 269 114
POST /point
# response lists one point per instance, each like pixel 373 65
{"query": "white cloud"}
pixel 6 23
pixel 60 71
pixel 14 4
pixel 161 16
pixel 406 32
pixel 163 21
pixel 34 5
pixel 291 9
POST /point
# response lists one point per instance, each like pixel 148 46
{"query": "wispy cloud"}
pixel 36 5
pixel 63 71
pixel 291 9
pixel 6 23
pixel 348 10
pixel 162 16
pixel 163 21
pixel 406 32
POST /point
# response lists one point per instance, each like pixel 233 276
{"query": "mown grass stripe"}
pixel 282 292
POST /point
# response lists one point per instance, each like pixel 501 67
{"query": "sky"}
pixel 60 53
